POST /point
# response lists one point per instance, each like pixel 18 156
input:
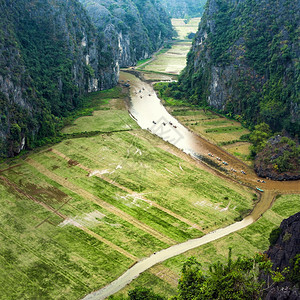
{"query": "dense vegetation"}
pixel 51 54
pixel 184 8
pixel 243 278
pixel 43 68
pixel 245 62
pixel 279 158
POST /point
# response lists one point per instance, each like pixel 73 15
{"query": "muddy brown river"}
pixel 148 111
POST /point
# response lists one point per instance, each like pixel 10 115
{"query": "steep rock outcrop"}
pixel 279 160
pixel 134 29
pixel 245 61
pixel 50 55
pixel 282 255
pixel 287 245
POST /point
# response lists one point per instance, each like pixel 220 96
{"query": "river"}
pixel 148 111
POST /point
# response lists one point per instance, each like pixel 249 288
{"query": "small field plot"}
pixel 184 29
pixel 173 61
pixel 163 278
pixel 239 149
pixel 216 129
pixel 102 120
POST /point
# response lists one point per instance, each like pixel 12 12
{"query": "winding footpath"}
pixel 158 257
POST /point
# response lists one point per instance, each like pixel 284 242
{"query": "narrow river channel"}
pixel 172 251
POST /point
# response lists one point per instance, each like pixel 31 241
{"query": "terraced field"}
pixel 77 215
pixel 216 129
pixel 173 60
pixel 184 29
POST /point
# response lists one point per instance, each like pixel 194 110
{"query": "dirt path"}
pixel 116 211
pixel 129 191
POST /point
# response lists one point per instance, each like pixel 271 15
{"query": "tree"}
pixel 260 136
pixel 142 293
pixel 237 279
pixel 191 280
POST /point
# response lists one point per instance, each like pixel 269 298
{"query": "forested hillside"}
pixel 51 53
pixel 135 28
pixel 245 62
pixel 184 8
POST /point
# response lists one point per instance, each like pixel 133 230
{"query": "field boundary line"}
pixel 129 191
pixel 70 220
pixel 109 207
pixel 163 273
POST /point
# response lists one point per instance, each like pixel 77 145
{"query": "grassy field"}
pixel 246 242
pixel 41 260
pixel 173 61
pixel 184 29
pixel 102 120
pixel 217 129
pixel 77 215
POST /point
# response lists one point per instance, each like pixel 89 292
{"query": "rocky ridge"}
pixel 279 160
pixel 245 61
pixel 50 55
pixel 282 254
pixel 134 28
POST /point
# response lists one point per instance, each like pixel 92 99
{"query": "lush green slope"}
pixel 245 61
pixel 50 55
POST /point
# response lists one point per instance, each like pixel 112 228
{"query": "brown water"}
pixel 148 111
pixel 175 250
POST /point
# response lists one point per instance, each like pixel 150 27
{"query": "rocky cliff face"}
pixel 283 254
pixel 134 29
pixel 245 61
pixel 52 52
pixel 287 245
pixel 50 55
pixel 279 159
